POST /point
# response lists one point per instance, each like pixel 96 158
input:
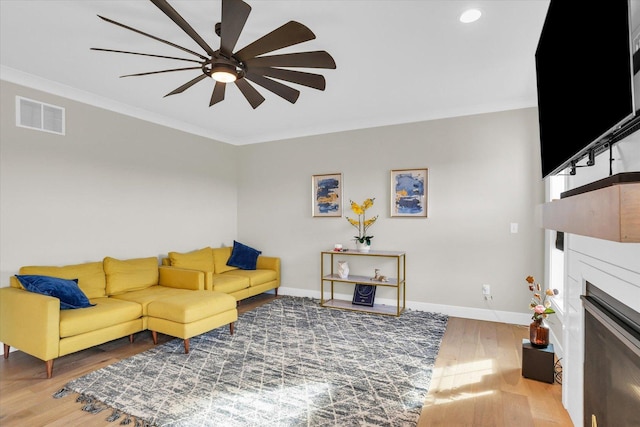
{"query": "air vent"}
pixel 39 116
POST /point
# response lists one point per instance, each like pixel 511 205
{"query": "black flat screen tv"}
pixel 584 73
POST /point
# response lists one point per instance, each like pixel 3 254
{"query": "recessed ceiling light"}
pixel 470 15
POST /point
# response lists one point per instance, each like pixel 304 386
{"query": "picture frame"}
pixel 409 192
pixel 326 195
pixel 364 295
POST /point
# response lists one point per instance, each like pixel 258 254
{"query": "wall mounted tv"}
pixel 584 72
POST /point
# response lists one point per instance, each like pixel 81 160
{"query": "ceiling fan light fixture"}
pixel 224 73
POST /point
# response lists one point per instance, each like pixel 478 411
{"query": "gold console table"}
pixel 327 274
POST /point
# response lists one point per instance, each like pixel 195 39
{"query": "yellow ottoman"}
pixel 191 313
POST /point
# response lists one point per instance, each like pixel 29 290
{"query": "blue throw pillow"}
pixel 243 256
pixel 67 291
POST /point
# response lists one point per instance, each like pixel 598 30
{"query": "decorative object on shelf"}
pixel 409 192
pixel 327 195
pixel 363 246
pixel 379 277
pixel 541 307
pixel 337 247
pixel 364 295
pixel 343 269
pixel 363 242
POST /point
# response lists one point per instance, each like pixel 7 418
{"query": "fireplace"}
pixel 611 361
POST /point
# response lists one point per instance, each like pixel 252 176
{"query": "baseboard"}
pixel 489 314
pixel 557 345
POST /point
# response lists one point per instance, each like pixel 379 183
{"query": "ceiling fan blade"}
pixel 287 35
pixel 111 21
pixel 218 93
pixel 187 85
pixel 283 91
pixel 234 16
pixel 315 59
pixel 249 92
pixel 315 81
pixel 146 54
pixel 162 71
pixel 168 10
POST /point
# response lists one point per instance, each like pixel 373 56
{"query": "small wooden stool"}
pixel 538 363
pixel 191 313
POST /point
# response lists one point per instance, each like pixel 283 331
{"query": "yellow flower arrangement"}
pixel 361 223
pixel 540 305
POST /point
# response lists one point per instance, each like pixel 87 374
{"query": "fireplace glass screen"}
pixel 611 368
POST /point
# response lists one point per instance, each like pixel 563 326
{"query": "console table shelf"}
pixel 362 280
pixel 327 274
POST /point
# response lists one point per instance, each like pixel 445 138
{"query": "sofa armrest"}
pixel 269 263
pixel 30 322
pixel 181 278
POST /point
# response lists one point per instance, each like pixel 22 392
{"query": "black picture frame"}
pixel 364 295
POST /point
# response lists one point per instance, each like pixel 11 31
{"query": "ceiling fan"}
pixel 226 66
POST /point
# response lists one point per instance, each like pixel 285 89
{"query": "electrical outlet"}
pixel 486 290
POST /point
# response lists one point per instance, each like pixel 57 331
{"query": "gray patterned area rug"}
pixel 289 363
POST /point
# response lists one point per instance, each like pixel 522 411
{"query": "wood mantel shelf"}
pixel 610 213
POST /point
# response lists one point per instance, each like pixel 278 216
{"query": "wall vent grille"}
pixel 39 116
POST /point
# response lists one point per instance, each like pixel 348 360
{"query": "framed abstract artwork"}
pixel 326 193
pixel 409 193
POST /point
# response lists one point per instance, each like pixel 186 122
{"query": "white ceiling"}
pixel 397 61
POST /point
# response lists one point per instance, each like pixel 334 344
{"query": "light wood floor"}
pixel 476 382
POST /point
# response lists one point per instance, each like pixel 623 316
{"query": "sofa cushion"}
pixel 130 275
pixel 201 259
pixel 256 277
pixel 66 290
pixel 243 256
pixel 220 258
pixel 90 275
pixel 229 282
pixel 106 312
pixel 145 296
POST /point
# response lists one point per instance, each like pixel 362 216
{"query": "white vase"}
pixel 343 269
pixel 362 247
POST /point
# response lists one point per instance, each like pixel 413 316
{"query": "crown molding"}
pixel 31 81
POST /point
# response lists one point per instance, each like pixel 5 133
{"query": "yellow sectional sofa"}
pixel 220 277
pixel 128 296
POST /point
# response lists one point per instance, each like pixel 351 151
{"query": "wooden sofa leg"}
pixel 186 346
pixel 231 328
pixel 49 365
pixel 154 335
pixel 6 351
pixel 276 291
pixel 131 338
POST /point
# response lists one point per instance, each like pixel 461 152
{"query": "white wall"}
pixel 112 186
pixel 117 186
pixel 484 173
